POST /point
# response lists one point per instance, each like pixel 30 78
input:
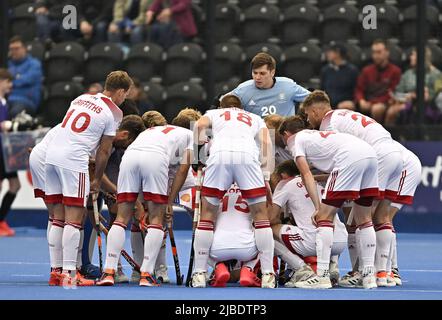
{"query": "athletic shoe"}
pixel 247 278
pixel 334 273
pixel 397 276
pixel 55 277
pixel 83 282
pixel 381 279
pixel 135 277
pixel 120 277
pixel 68 281
pixel 350 280
pixel 161 274
pixel 107 278
pixel 90 271
pixel 220 276
pixel 390 280
pixel 147 280
pixel 315 282
pixel 199 280
pixel 304 273
pixel 5 230
pixel 369 282
pixel 268 281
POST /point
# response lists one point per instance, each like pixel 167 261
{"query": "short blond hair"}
pixel 185 117
pixel 153 119
pixel 273 121
pixel 317 96
pixel 118 80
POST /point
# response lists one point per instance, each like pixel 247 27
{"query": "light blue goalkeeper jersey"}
pixel 279 99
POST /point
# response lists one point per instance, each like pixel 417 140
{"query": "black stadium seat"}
pixel 340 23
pixel 302 62
pixel 183 62
pixel 36 49
pixel 155 93
pixel 272 49
pixel 23 21
pixel 284 4
pixel 226 21
pixel 144 61
pixel 299 23
pixel 102 59
pixel 181 95
pixel 65 60
pixel 228 59
pixel 224 87
pixel 387 20
pixel 58 100
pixel 260 23
pixel 408 27
pixel 363 3
pixel 244 4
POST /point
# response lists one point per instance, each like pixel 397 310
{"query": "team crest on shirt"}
pixel 282 96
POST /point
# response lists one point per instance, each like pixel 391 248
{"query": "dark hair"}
pixel 133 124
pixel 382 41
pixel 340 48
pixel 230 101
pixel 317 96
pixel 263 59
pixel 5 75
pixel 292 124
pixel 16 39
pixel 288 167
pixel 118 80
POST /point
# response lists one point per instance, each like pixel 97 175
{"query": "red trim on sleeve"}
pixel 156 198
pixel 38 193
pixel 214 192
pixel 254 193
pixel 54 198
pixel 73 201
pixel 127 197
pixel 116 112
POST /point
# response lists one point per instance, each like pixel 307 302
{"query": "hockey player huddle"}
pixel 263 200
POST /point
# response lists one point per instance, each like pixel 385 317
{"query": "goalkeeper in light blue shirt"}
pixel 266 94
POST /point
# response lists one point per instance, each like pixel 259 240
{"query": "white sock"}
pixel 80 249
pixel 201 245
pixel 394 253
pixel 55 240
pixel 161 259
pixel 137 244
pixel 114 245
pixel 71 241
pixel 293 261
pixel 265 245
pixel 384 237
pixel 352 248
pixel 48 229
pixel 324 242
pixel 152 244
pixel 367 237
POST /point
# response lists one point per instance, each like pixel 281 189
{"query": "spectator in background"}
pixel 138 96
pixel 174 22
pixel 129 107
pixel 14 183
pixel 405 97
pixel 28 75
pixel 338 77
pixel 95 88
pixel 376 82
pixel 128 19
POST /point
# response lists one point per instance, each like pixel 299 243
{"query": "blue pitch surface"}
pixel 24 269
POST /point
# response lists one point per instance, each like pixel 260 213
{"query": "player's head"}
pixel 263 70
pixel 230 101
pixel 186 117
pixel 117 86
pixel 153 119
pixel 5 82
pixel 287 169
pixel 130 127
pixel 273 122
pixel 380 52
pixel 291 126
pixel 316 105
pixel 17 48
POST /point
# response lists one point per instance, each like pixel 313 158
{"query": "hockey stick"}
pixel 97 226
pixel 196 215
pixel 125 255
pixel 179 277
pixel 281 274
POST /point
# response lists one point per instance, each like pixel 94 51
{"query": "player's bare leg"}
pixel 366 238
pixel 384 238
pixel 115 242
pixel 264 240
pixel 152 243
pixel 203 240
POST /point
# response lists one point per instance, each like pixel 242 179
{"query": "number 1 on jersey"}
pixel 244 118
pixel 74 127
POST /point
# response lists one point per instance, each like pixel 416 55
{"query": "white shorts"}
pixel 410 179
pixel 188 183
pixel 66 186
pixel 303 244
pixel 390 170
pixel 37 168
pixel 240 254
pixel 358 180
pixel 145 171
pixel 225 168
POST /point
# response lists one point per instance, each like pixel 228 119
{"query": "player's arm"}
pixel 267 156
pixel 107 185
pixel 101 158
pixel 275 214
pixel 200 130
pixel 308 180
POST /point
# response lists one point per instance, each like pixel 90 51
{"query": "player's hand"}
pixel 169 213
pixel 149 16
pixel 110 198
pixel 94 189
pixel 268 194
pixel 314 217
pixel 165 15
